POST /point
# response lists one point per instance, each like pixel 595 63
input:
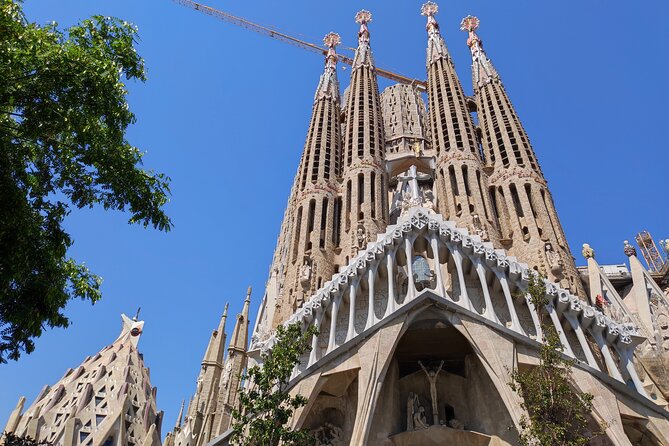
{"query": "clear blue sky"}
pixel 225 112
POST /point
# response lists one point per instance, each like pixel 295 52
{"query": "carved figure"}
pixel 415 413
pixel 416 149
pixel 402 280
pixel 428 202
pixel 361 238
pixel 478 227
pixel 432 376
pixel 305 273
pixel 553 259
pixel 226 374
pixel 630 251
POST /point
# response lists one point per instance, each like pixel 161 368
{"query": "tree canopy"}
pixel 266 405
pixel 63 122
pixel 557 413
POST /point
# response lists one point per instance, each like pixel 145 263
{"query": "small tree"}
pixel 557 414
pixel 266 406
pixel 63 121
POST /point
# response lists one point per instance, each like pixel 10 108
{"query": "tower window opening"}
pixel 372 191
pixel 465 178
pixel 348 205
pixel 516 200
pixel 310 223
pixel 454 181
pixel 337 223
pixel 324 222
pixel 296 237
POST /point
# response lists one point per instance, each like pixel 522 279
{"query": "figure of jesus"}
pixel 432 377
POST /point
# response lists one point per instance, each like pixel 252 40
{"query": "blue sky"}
pixel 225 112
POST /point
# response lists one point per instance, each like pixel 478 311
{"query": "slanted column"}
pixel 489 312
pixel 515 322
pixel 350 334
pixel 457 257
pixel 608 357
pixel 336 302
pixel 371 318
pixel 573 321
pixel 411 287
pixel 535 316
pixel 313 355
pixel 558 327
pixel 434 241
pixel 626 354
pixel 390 267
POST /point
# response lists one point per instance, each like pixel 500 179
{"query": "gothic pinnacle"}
pixel 430 9
pixel 363 17
pixel 470 24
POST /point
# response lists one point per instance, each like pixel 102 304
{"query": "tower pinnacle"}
pixel 363 17
pixel 483 71
pixel 363 55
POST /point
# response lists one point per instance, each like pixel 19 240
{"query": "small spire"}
pixel 363 17
pixel 136 318
pixel 629 250
pixel 225 310
pixel 181 414
pixel 483 72
pixel 363 54
pixel 331 40
pixel 430 9
pixel 248 294
pixel 436 47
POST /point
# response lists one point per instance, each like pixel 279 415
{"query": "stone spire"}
pixel 528 221
pixel 310 229
pixel 107 400
pixel 460 182
pixel 364 180
pixel 235 364
pixel 203 407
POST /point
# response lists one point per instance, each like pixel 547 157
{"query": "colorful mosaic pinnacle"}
pixel 331 40
pixel 470 23
pixel 363 16
pixel 429 9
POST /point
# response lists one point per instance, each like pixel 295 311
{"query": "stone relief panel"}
pixel 342 323
pixel 380 296
pixel 361 308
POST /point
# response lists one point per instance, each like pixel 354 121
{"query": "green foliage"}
pixel 63 118
pixel 557 413
pixel 13 440
pixel 266 406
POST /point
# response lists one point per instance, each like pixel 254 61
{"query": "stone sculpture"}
pixel 415 413
pixel 432 376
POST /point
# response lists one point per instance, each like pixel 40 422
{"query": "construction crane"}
pixel 419 84
pixel 650 252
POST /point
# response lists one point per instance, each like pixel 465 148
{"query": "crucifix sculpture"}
pixel 432 376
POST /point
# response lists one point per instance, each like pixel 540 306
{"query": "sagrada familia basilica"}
pixel 408 240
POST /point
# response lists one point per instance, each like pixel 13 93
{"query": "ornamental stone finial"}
pixel 470 24
pixel 363 16
pixel 587 251
pixel 629 250
pixel 429 9
pixel 331 40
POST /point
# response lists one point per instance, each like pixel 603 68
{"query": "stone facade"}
pixel 426 313
pixel 106 401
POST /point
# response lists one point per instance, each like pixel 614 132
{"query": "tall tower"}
pixel 364 182
pixel 306 252
pixel 108 400
pixel 204 405
pixel 461 183
pixel 529 223
pixel 235 364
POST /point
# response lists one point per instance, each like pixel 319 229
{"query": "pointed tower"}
pixel 235 364
pixel 108 400
pixel 529 224
pixel 201 411
pixel 305 254
pixel 461 183
pixel 364 185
